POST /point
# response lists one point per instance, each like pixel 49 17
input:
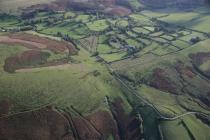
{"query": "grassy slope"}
pixel 196 19
pixel 179 127
pixel 169 128
pixel 71 85
pixel 165 102
pixel 13 5
pixel 58 83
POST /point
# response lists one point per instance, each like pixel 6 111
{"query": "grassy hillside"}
pixel 12 6
pixel 197 18
pixel 158 61
pixel 62 86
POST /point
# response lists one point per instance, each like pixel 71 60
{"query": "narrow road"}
pixel 135 93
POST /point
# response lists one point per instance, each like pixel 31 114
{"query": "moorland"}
pixel 111 70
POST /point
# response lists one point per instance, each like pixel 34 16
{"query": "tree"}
pixel 59 34
pixel 195 40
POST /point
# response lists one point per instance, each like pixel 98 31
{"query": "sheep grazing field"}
pixel 111 70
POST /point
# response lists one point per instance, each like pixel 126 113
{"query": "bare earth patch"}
pixel 53 45
pixel 36 42
pixel 28 44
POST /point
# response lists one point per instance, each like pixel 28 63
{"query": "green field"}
pixel 144 58
pixel 98 25
pixel 197 19
pixel 40 86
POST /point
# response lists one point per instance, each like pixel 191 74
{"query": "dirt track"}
pixel 78 67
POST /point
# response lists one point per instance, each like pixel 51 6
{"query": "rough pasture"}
pixel 44 126
pixel 53 45
pixel 5 107
pixel 28 44
pixel 36 42
pixel 201 62
pixel 162 82
pixel 36 55
pixel 129 125
pixel 118 11
pixel 50 124
pixel 200 58
pixel 69 124
pixel 27 58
